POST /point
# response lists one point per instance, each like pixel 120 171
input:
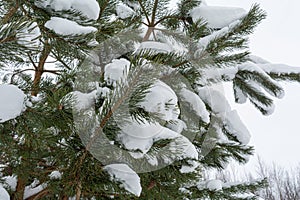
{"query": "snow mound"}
pixel 214 185
pixel 141 136
pixel 67 27
pixel 158 47
pixel 116 71
pixel 4 194
pixel 161 99
pixel 195 103
pixel 129 179
pixel 89 8
pixel 83 101
pixel 124 11
pixel 237 127
pixel 12 102
pixel 279 68
pixel 217 16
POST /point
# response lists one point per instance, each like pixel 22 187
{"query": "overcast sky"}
pixel 276 137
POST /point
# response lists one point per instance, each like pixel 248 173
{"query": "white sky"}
pixel 276 137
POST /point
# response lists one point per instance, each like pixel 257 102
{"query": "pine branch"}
pixel 40 69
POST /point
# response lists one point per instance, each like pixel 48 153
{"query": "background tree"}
pixel 49 156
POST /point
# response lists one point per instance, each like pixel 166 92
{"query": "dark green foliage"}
pixel 44 138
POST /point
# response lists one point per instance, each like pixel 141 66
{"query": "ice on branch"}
pixel 216 16
pixel 63 26
pixel 12 102
pixel 129 179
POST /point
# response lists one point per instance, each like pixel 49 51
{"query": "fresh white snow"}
pixel 28 36
pixel 163 100
pixel 4 194
pixel 217 16
pixel 158 47
pixel 89 8
pixel 12 102
pixel 124 11
pixel 129 179
pixel 83 101
pixel 214 184
pixel 237 127
pixel 279 68
pixel 67 27
pixel 141 136
pixel 116 71
pixel 195 103
pixel 55 175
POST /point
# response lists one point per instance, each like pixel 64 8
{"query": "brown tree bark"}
pixel 39 70
pixel 19 194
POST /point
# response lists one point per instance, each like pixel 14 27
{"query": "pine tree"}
pixel 106 75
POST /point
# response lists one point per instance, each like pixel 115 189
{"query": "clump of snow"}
pixel 214 98
pixel 11 182
pixel 3 193
pixel 33 189
pixel 220 106
pixel 237 127
pixel 129 179
pixel 240 97
pixel 257 59
pixel 124 11
pixel 67 27
pixel 12 102
pixel 158 47
pixel 279 68
pixel 214 184
pixel 89 8
pixel 203 42
pixel 83 101
pixel 28 35
pixel 116 71
pixel 196 104
pixel 165 105
pixel 251 67
pixel 215 75
pixel 176 125
pixel 55 175
pixel 141 136
pixel 217 16
pixel 189 168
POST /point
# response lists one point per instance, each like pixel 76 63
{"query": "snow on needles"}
pixel 124 11
pixel 12 102
pixel 220 106
pixel 217 16
pixel 129 179
pixel 196 104
pixel 165 105
pixel 67 27
pixel 89 8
